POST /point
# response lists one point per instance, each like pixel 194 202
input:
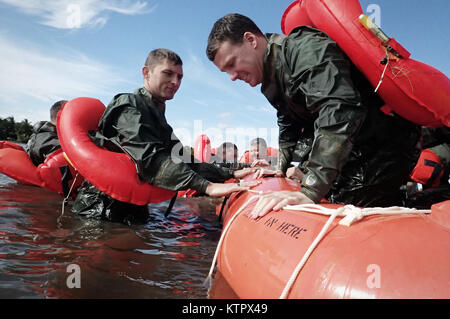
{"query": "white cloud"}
pixel 33 78
pixel 261 109
pixel 68 14
pixel 225 120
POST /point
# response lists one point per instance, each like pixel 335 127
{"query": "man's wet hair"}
pixel 229 28
pixel 227 145
pixel 157 56
pixel 55 109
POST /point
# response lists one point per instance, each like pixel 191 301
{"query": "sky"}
pixel 52 50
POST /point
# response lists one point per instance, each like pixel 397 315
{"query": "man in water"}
pixel 135 123
pixel 44 139
pixel 258 153
pixel 359 155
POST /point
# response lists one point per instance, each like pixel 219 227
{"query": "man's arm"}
pixel 289 133
pixel 152 154
pixel 326 85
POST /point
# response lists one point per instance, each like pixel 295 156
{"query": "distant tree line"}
pixel 15 131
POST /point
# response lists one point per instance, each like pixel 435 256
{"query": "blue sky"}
pixel 46 55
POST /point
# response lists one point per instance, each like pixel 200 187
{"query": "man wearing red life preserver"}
pixel 44 139
pixel 359 155
pixel 432 171
pixel 135 123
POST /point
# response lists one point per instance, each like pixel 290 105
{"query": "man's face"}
pixel 164 80
pixel 229 155
pixel 241 61
pixel 257 152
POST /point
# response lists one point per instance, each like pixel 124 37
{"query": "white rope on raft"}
pixel 351 214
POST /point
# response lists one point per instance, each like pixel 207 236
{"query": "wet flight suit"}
pixel 42 142
pixel 136 124
pixel 358 154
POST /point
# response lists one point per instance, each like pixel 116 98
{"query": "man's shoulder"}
pixel 307 33
pixel 38 125
pixel 123 99
pixel 44 127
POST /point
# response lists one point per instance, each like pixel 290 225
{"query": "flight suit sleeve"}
pixel 153 157
pixel 321 76
pixel 289 133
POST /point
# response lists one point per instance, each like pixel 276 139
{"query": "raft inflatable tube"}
pixel 15 163
pixel 113 173
pixel 379 256
pixel 412 89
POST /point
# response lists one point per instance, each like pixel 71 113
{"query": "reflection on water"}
pixel 165 258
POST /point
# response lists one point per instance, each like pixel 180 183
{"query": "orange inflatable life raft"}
pixel 113 173
pixel 380 256
pixel 412 89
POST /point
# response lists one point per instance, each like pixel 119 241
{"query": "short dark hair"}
pixel 55 109
pixel 157 56
pixel 229 28
pixel 260 141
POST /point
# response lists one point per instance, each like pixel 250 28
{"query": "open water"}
pixel 41 249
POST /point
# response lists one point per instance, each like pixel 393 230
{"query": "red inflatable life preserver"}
pixel 413 90
pixel 15 163
pixel 8 144
pixel 51 174
pixel 202 148
pixel 112 173
pixel 272 152
pixel 429 169
pixel 245 158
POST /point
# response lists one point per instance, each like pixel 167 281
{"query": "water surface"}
pixel 164 258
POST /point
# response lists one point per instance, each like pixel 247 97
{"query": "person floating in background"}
pixel 227 157
pixel 227 152
pixel 431 175
pixel 359 155
pixel 259 153
pixel 44 139
pixel 135 123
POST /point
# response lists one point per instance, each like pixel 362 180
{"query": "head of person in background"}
pixel 55 109
pixel 258 149
pixel 227 152
pixel 44 139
